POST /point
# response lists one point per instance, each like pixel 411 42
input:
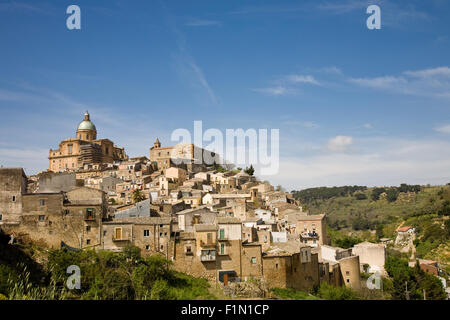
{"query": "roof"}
pixel 141 220
pixel 404 229
pixel 317 217
pixel 231 195
pixel 205 227
pixel 228 220
pixel 140 209
pixel 369 244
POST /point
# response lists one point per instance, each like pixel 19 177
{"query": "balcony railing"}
pixel 211 256
pixel 310 235
pixel 121 239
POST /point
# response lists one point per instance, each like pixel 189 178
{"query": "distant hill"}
pixel 374 213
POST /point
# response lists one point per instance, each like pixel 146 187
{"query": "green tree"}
pixel 250 170
pixel 375 195
pixel 391 194
pixel 137 196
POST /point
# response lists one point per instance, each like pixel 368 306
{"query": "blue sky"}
pixel 354 106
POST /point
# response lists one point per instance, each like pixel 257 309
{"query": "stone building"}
pixel 85 150
pixel 187 156
pixel 284 269
pixel 73 217
pixel 372 254
pixel 13 185
pixel 312 230
pixel 150 234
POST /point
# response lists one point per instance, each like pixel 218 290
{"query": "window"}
pixel 89 214
pixel 222 234
pixel 41 218
pixel 253 260
pixel 276 266
pixel 104 233
pixel 88 241
pixel 1 217
pixel 146 233
pixel 209 237
pixel 147 247
pixel 188 249
pixel 348 280
pixel 222 248
pixel 160 234
pixel 162 247
pixel 88 228
pixel 347 273
pixel 42 202
pixel 118 233
pixel 70 148
pixel 13 198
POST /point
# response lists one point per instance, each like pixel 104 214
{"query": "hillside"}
pixel 374 213
pixel 27 272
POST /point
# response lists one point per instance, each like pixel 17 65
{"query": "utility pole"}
pixel 424 295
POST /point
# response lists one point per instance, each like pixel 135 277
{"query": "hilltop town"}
pixel 211 222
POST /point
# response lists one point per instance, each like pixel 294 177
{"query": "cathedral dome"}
pixel 86 124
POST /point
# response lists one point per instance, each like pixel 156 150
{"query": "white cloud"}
pixel 427 73
pixel 340 143
pixel 332 69
pixel 367 126
pixel 379 82
pixel 275 91
pixel 382 162
pixel 433 82
pixel 294 78
pixel 443 129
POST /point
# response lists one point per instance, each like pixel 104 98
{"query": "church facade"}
pixel 85 151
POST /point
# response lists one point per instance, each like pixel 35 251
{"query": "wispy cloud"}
pixel 434 82
pixel 443 129
pixel 185 62
pixel 202 23
pixel 21 6
pixel 340 143
pixel 295 78
pixel 332 69
pixel 379 161
pixel 276 91
pixel 288 85
pixel 394 14
pixel 305 124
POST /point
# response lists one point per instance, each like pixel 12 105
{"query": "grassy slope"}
pixel 419 211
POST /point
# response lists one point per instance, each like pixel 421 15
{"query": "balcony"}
pixel 208 255
pixel 309 235
pixel 120 239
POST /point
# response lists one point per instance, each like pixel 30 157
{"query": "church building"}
pixel 85 151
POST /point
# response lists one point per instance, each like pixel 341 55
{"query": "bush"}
pixel 328 292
